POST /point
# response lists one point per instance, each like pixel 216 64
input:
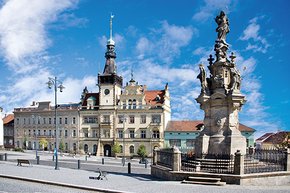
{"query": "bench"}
pixel 22 161
pixel 102 175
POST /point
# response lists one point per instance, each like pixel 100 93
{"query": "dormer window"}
pixel 130 104
pixel 134 104
pixel 91 101
pixel 157 98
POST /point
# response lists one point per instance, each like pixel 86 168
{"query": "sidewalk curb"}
pixel 61 184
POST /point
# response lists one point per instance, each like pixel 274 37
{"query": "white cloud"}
pixel 199 51
pixel 23 41
pixel 165 43
pixel 23 35
pixel 256 42
pixel 211 7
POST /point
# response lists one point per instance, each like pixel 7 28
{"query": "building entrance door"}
pixel 107 150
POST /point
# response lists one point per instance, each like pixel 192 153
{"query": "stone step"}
pixel 204 183
pixel 205 179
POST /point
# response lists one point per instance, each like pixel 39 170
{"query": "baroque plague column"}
pixel 221 99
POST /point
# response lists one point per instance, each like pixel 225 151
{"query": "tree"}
pixel 116 148
pixel 61 146
pixel 142 151
pixel 43 143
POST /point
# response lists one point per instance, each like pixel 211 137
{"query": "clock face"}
pixel 107 91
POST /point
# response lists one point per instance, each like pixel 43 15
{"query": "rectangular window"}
pixel 49 133
pixel 155 134
pixel 17 121
pixel 65 133
pixel 38 132
pixel 131 119
pixel 74 120
pixel 24 121
pixel 44 132
pixel 175 142
pixel 29 132
pixel 124 104
pixel 143 119
pixel 132 133
pixel 74 133
pixel 190 142
pixel 60 133
pixel 44 120
pixel 34 132
pixel 94 133
pixel 90 120
pixel 120 133
pixel 54 120
pixel 49 120
pixel 143 134
pixel 38 120
pixel 106 119
pixel 86 132
pixel 156 118
pixel 120 119
pixel 60 120
pixel 65 120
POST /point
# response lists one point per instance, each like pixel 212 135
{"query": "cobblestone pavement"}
pixel 117 181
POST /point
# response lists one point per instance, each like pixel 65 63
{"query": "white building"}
pixel 37 122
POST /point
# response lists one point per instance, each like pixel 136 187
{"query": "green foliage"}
pixel 43 143
pixel 142 151
pixel 18 149
pixel 61 146
pixel 116 148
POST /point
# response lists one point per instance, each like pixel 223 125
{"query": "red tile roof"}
pixel 264 137
pixel 152 99
pixel 278 137
pixel 8 119
pixel 184 125
pixel 196 126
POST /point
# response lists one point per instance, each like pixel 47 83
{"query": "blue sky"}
pixel 162 41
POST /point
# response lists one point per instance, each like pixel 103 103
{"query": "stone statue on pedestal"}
pixel 221 99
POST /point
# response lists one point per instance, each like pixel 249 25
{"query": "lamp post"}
pixel 56 84
pixel 123 159
pixel 36 122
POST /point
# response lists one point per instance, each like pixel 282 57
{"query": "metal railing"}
pixel 265 161
pixel 212 163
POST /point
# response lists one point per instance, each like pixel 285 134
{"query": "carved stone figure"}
pixel 236 80
pixel 202 78
pixel 223 26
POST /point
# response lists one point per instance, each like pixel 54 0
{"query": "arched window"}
pixel 132 149
pixel 75 146
pixel 130 104
pixel 86 148
pixel 121 149
pixel 134 104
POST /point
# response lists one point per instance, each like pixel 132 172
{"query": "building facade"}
pixel 183 134
pixel 37 123
pixel 8 123
pixel 128 116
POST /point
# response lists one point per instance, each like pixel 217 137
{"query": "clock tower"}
pixel 110 84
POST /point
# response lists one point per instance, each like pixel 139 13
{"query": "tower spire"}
pixel 110 66
pixel 111 41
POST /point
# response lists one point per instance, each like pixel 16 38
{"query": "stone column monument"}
pixel 221 99
pixel 1 130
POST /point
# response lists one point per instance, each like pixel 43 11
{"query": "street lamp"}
pixel 36 122
pixel 57 84
pixel 123 159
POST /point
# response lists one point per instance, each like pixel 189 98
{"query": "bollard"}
pixel 37 160
pixel 5 157
pixel 129 168
pixel 103 161
pixel 79 164
pixel 86 158
pixel 145 163
pixel 53 158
